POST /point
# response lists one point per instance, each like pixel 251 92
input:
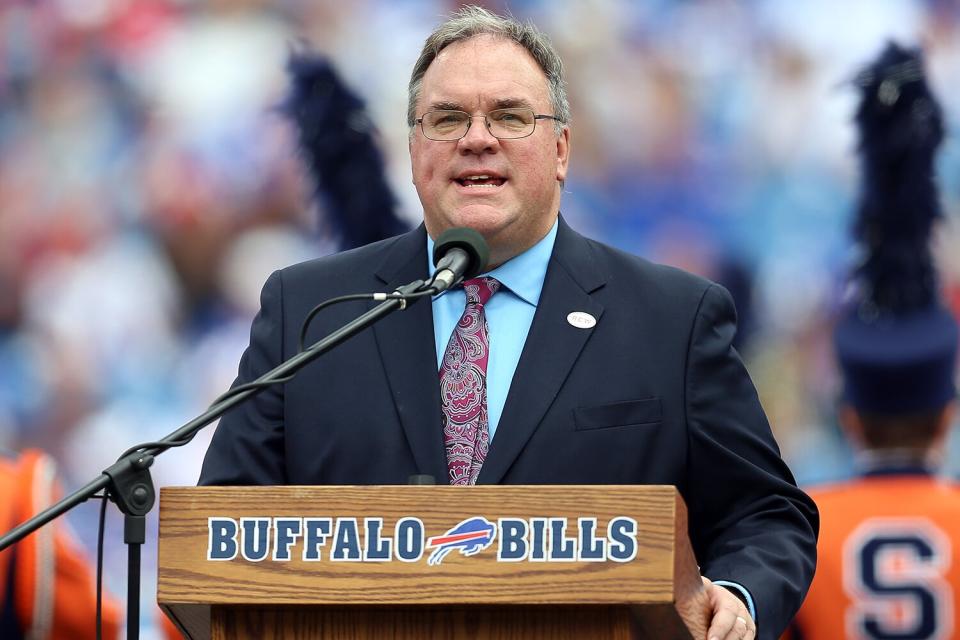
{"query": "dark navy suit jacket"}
pixel 653 394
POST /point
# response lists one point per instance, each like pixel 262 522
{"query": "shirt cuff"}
pixel 741 592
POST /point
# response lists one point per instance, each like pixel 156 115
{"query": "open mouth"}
pixel 481 181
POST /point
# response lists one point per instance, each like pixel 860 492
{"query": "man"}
pixel 47 588
pixel 574 363
pixel 890 538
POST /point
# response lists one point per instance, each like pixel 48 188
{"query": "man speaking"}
pixel 565 362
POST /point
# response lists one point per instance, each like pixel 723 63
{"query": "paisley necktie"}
pixel 463 386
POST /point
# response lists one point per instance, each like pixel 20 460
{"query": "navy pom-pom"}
pixel 897 345
pixel 337 137
pixel 901 126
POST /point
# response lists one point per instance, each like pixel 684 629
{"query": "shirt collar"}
pixel 523 274
pixel 893 463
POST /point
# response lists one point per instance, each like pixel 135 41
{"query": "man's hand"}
pixel 729 618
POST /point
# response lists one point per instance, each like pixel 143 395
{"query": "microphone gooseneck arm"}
pixel 459 253
pixel 451 269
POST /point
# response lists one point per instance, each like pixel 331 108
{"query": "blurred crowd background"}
pixel 149 184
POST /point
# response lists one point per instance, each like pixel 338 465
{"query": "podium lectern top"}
pixel 237 556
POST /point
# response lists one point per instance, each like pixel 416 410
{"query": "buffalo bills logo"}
pixel 470 536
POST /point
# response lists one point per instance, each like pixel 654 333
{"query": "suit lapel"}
pixel 406 344
pixel 551 349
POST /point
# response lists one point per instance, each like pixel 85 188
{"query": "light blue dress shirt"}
pixel 509 315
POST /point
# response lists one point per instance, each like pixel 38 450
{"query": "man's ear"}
pixel 563 154
pixel 851 424
pixel 946 421
pixel 410 151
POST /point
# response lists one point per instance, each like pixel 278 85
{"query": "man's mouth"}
pixel 480 181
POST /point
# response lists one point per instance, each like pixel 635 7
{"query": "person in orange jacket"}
pixel 47 587
pixel 889 549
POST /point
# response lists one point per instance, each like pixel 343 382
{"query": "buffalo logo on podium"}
pixel 470 537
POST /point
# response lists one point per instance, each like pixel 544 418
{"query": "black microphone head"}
pixel 468 240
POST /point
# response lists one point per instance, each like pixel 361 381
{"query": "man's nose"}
pixel 478 138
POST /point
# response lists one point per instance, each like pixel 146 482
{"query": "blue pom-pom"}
pixel 337 137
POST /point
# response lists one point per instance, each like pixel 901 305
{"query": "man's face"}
pixel 518 204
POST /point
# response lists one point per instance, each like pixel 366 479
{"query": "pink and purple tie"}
pixel 463 386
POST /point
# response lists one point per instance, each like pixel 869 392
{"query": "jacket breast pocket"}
pixel 632 413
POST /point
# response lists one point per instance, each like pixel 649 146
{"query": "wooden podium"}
pixel 405 562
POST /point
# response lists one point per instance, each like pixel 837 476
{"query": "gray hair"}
pixel 472 21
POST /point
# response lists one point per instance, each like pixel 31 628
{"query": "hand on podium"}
pixel 729 618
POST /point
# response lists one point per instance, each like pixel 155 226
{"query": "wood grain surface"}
pixel 663 577
pixel 421 623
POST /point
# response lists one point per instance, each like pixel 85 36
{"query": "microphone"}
pixel 459 253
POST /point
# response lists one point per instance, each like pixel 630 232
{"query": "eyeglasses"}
pixel 504 124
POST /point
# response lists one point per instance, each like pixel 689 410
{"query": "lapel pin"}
pixel 581 320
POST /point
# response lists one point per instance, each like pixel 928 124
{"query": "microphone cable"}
pixel 424 289
pixel 103 517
